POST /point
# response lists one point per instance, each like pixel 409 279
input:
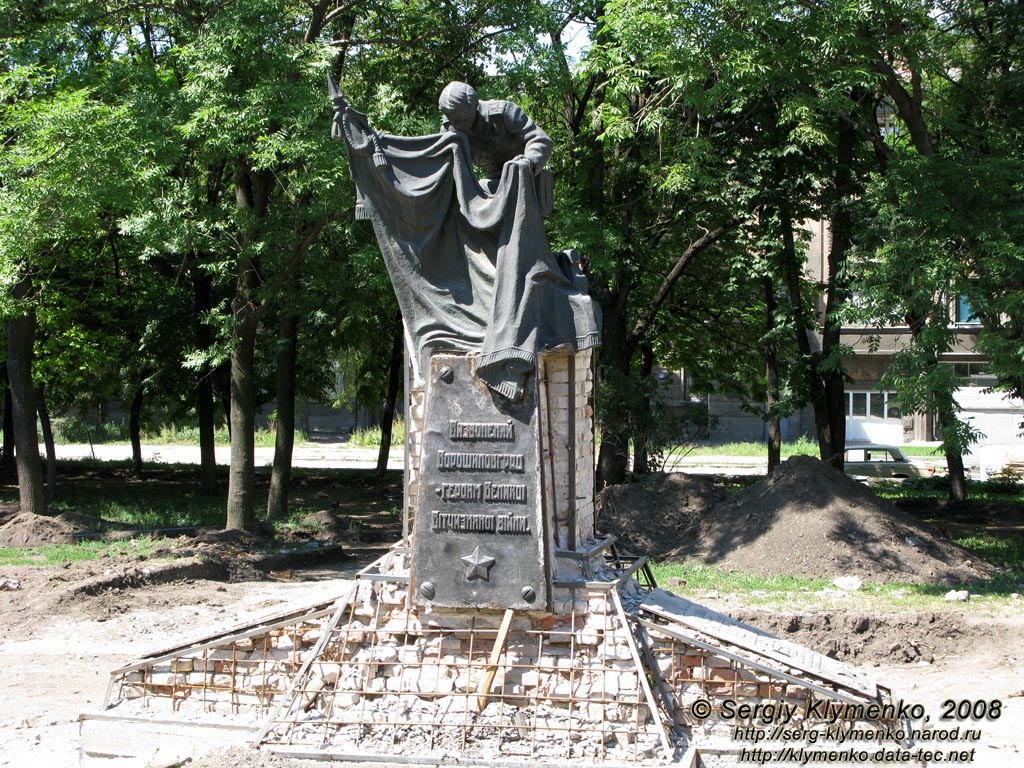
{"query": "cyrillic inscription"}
pixel 482 430
pixel 458 522
pixel 479 493
pixel 504 493
pixel 478 540
pixel 451 461
pixel 469 492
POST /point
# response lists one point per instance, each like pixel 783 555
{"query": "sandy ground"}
pixel 55 667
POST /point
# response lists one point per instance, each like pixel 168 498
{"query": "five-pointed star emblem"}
pixel 478 566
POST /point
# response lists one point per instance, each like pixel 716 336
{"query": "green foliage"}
pixel 371 437
pixel 803 446
pixel 69 430
pixel 72 430
pixel 129 135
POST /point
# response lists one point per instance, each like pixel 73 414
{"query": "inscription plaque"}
pixel 479 539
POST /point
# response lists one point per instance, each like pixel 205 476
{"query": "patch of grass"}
pixel 370 438
pixel 56 554
pixel 799 593
pixel 707 577
pixel 1005 549
pixel 145 505
pixel 801 447
pixel 937 488
pixel 73 430
pixel 929 451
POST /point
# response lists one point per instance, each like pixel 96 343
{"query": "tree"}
pixel 948 222
pixel 758 127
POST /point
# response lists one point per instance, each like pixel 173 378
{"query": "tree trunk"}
pixel 251 198
pixel 51 453
pixel 284 429
pixel 203 288
pixel 838 294
pixel 946 413
pixel 20 341
pixel 641 438
pixel 613 455
pixel 7 468
pixel 135 430
pixel 957 476
pixel 241 505
pixel 772 394
pixel 803 326
pixel 387 417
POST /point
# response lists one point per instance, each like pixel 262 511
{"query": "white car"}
pixel 882 462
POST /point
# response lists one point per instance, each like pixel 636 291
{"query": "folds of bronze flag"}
pixel 472 268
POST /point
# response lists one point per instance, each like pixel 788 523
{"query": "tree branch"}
pixel 646 319
pixel 293 263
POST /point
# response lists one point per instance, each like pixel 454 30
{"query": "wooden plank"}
pixel 138 741
pixel 484 691
pixel 679 610
pixel 760 666
pixel 642 671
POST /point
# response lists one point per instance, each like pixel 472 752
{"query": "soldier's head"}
pixel 459 102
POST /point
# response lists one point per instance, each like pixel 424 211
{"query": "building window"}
pixel 964 312
pixel 878 406
pixel 860 405
pixel 973 375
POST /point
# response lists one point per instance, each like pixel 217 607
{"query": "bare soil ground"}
pixel 63 628
pixel 805 519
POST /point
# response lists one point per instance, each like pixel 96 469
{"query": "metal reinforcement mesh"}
pixel 690 673
pixel 229 673
pixel 387 681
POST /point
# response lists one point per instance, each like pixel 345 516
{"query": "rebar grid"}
pixel 691 673
pixel 240 672
pixel 388 683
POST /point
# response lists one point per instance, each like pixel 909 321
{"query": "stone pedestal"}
pixel 500 495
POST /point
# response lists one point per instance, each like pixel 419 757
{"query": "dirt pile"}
pixel 807 519
pixel 22 530
pixel 652 516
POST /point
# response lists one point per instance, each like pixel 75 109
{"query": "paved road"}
pixel 341 455
pixel 311 454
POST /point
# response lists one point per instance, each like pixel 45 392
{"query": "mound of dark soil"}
pixel 807 519
pixel 651 517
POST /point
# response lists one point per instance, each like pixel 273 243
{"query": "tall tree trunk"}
pixel 772 394
pixel 51 452
pixel 20 341
pixel 135 430
pixel 838 293
pixel 203 289
pixel 613 455
pixel 241 504
pixel 284 429
pixel 7 467
pixel 642 439
pixel 803 326
pixel 387 417
pixel 251 199
pixel 909 107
